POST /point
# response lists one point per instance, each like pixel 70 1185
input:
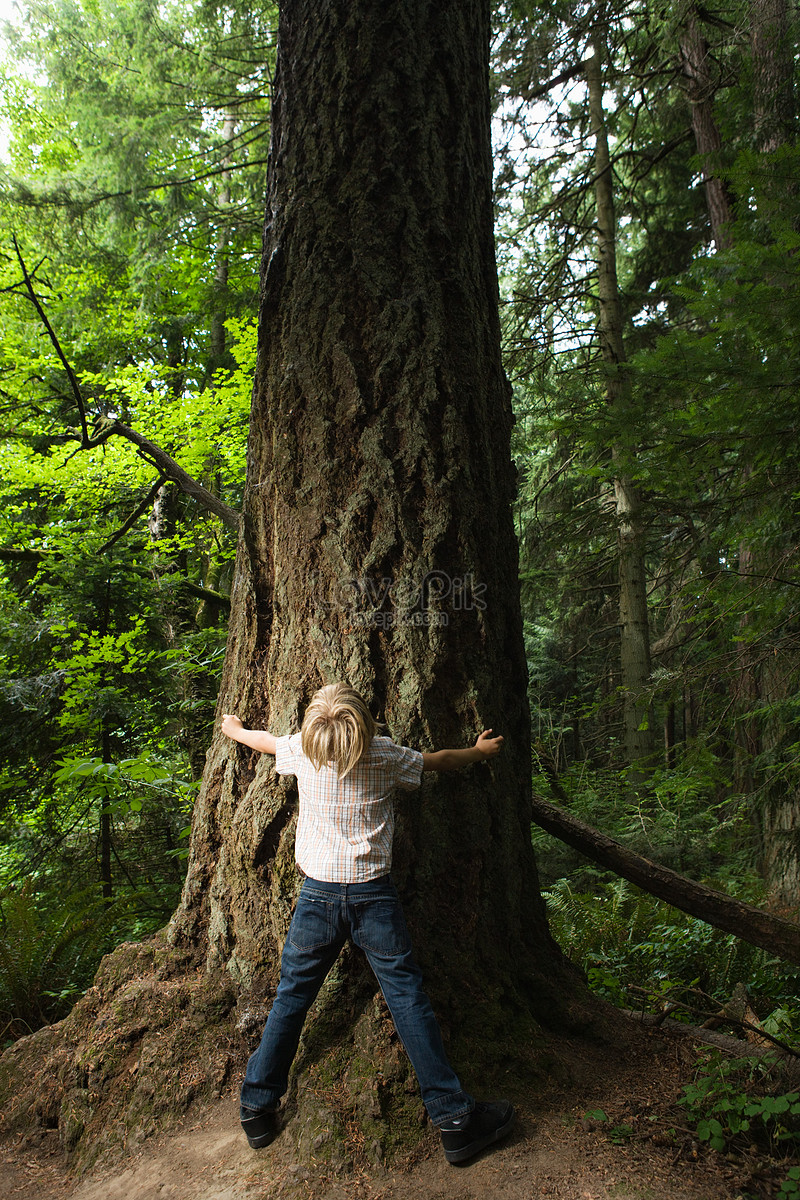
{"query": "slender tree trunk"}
pixel 178 609
pixel 768 680
pixel 689 725
pixel 176 357
pixel 633 614
pixel 106 878
pixel 669 736
pixel 378 545
pixel 219 310
pixel 700 91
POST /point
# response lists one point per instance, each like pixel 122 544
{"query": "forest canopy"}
pixel 647 225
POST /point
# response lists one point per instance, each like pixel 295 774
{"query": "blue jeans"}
pixel 369 913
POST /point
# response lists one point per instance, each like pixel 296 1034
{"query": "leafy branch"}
pixel 109 427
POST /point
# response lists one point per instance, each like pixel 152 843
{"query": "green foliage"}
pixel 618 1134
pixel 638 952
pixel 686 818
pixel 49 948
pixel 725 1106
pixel 789 1188
pixel 129 786
pixel 132 189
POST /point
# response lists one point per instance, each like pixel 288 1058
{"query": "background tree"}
pixel 694 234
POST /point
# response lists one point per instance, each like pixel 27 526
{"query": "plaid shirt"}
pixel 346 827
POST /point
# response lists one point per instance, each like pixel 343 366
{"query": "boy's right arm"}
pixel 256 739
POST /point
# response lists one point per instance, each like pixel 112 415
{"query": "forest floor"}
pixel 641 1151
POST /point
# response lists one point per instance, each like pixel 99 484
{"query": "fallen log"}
pixel 732 1046
pixel 751 924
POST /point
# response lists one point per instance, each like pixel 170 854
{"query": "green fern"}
pixel 47 954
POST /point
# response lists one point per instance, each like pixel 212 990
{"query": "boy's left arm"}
pixel 485 747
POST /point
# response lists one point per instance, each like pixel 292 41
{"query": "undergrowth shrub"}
pixel 50 947
pixel 638 952
pixel 687 818
pixel 743 1102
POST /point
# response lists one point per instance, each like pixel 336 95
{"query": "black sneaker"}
pixel 261 1127
pixel 486 1123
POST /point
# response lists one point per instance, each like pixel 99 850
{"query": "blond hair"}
pixel 337 728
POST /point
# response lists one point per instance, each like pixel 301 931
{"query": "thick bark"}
pixel 634 628
pixel 378 544
pixel 753 925
pixel 700 91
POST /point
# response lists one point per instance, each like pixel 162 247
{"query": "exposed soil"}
pixel 641 1151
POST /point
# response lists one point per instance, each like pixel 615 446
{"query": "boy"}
pixel 346 777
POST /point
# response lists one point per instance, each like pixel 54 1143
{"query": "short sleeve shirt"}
pixel 345 828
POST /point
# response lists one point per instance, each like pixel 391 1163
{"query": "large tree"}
pixel 377 546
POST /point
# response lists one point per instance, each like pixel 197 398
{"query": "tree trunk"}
pixel 378 544
pixel 633 615
pixel 106 878
pixel 670 757
pixel 219 294
pixel 700 91
pixel 768 679
pixel 773 74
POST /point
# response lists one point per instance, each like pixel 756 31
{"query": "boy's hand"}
pixel 487 745
pixel 229 724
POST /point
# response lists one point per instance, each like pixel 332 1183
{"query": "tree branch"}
pixel 562 77
pixel 134 517
pixel 34 299
pixel 146 449
pixel 206 594
pixel 745 921
pixel 85 205
pixel 170 469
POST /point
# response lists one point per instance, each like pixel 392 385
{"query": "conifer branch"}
pixel 562 77
pixel 63 198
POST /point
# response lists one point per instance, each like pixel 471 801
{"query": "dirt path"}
pixel 555 1151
